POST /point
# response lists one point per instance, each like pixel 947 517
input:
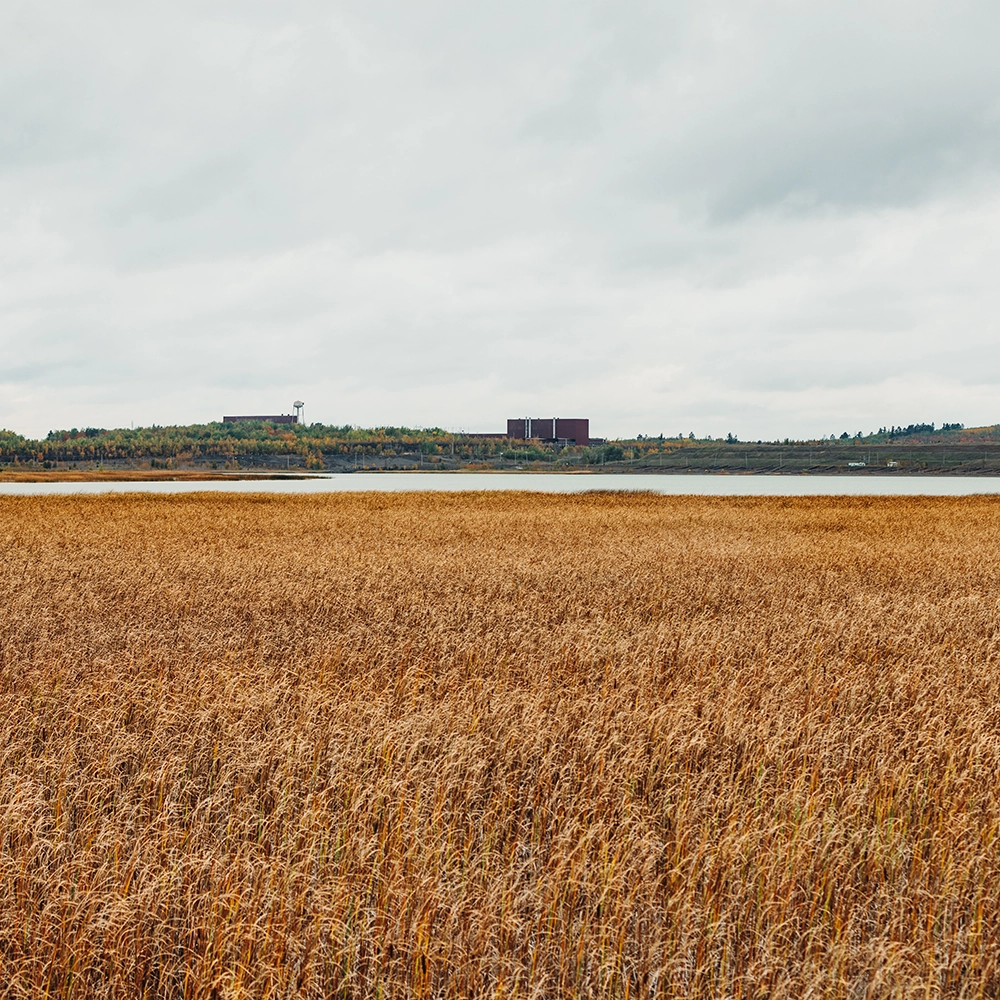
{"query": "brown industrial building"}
pixel 562 430
pixel 283 418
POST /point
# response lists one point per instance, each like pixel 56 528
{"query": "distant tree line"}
pixel 316 444
pixel 228 441
pixel 910 429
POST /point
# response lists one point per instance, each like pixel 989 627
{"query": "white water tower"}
pixel 299 407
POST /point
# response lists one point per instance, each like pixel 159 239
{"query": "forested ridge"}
pixel 261 444
pixel 216 441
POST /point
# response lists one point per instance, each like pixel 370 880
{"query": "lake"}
pixel 673 485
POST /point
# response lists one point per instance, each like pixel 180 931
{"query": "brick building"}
pixel 560 429
pixel 283 418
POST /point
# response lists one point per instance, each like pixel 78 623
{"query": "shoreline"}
pixel 191 475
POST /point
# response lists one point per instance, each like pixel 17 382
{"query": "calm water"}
pixel 720 485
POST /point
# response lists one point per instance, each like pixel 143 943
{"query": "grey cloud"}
pixel 436 212
pixel 832 104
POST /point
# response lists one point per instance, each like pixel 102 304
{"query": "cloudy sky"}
pixel 766 218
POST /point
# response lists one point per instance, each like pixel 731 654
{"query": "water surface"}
pixel 673 485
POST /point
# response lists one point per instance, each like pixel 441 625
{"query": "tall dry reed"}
pixel 499 745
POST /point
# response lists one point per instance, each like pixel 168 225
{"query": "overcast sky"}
pixel 770 219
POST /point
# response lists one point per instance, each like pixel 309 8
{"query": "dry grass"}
pixel 499 745
pixel 13 474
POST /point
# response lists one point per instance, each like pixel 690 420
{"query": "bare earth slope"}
pixel 499 744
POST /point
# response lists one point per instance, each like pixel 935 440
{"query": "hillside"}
pixel 915 449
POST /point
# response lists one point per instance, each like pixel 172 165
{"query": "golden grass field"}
pixel 499 745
